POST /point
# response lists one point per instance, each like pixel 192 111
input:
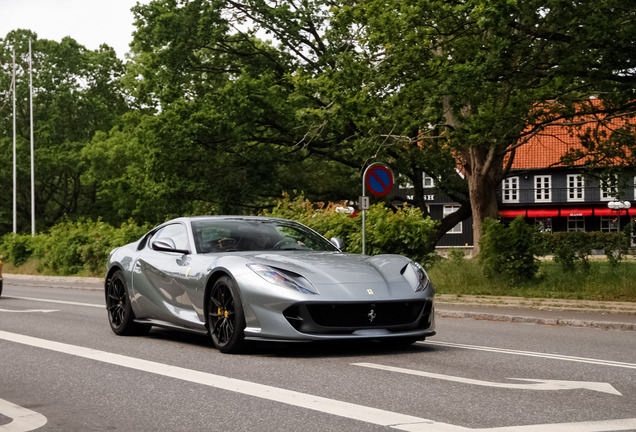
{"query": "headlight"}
pixel 416 276
pixel 275 277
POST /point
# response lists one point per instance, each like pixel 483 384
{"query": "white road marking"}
pixel 28 310
pixel 339 408
pixel 24 419
pixel 538 384
pixel 591 426
pixel 329 406
pixel 534 354
pixel 102 306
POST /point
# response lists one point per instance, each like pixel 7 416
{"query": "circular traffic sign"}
pixel 379 180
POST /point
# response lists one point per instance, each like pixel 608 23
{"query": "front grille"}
pixel 349 317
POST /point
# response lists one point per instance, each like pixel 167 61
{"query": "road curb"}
pixel 602 325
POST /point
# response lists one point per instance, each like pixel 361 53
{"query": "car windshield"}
pixel 229 235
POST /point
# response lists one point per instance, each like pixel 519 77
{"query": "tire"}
pixel 120 314
pixel 0 287
pixel 225 319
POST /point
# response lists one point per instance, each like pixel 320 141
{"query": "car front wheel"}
pixel 120 313
pixel 226 321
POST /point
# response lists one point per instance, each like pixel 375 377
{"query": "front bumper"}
pixel 350 318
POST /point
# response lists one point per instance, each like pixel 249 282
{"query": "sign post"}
pixel 378 178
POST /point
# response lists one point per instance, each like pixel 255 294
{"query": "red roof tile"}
pixel 546 148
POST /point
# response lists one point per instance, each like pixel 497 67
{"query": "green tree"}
pixel 76 92
pixel 428 84
pixel 226 134
pixel 492 74
pixel 277 114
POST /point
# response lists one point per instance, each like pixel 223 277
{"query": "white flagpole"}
pixel 15 195
pixel 32 162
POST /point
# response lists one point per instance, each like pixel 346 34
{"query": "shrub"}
pixel 509 252
pixel 16 248
pixel 402 231
pixel 83 246
pixel 571 250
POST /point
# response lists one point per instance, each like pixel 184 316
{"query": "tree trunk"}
pixel 483 173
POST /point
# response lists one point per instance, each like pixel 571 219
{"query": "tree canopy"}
pixel 76 92
pixel 225 104
pixel 430 85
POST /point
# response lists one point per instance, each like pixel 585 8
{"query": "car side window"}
pixel 175 232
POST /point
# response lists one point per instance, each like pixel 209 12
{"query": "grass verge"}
pixel 601 282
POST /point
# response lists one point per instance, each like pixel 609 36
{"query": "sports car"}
pixel 240 278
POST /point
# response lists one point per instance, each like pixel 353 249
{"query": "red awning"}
pixel 604 212
pixel 543 212
pixel 576 212
pixel 512 213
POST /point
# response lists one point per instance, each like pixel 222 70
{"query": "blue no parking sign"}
pixel 379 180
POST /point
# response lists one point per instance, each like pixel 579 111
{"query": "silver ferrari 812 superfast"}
pixel 242 278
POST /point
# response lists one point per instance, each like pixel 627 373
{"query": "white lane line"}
pixel 23 419
pixel 591 426
pixel 102 306
pixel 534 354
pixel 28 310
pixel 534 384
pixel 329 406
pixel 317 403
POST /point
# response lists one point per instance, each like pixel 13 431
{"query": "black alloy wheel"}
pixel 226 321
pixel 120 314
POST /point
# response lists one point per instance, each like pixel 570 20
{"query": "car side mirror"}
pixel 167 245
pixel 337 242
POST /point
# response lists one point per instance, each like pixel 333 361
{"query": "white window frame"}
pixel 606 193
pixel 407 182
pixel 428 182
pixel 542 188
pixel 450 209
pixel 510 190
pixel 575 187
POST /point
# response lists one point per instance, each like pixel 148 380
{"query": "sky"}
pixel 90 22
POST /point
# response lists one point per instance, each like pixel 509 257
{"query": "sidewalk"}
pixel 557 312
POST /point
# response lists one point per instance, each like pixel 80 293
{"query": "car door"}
pixel 159 282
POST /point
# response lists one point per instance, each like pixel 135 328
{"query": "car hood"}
pixel 336 268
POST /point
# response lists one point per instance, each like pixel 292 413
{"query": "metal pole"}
pixel 364 212
pixel 15 195
pixel 32 155
pixel 364 190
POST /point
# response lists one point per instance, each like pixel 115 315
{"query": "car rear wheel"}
pixel 226 321
pixel 120 313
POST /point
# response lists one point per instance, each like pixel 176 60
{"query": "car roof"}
pixel 223 217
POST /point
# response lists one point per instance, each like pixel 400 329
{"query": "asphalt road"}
pixel 62 369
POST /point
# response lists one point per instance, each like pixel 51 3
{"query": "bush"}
pixel 66 246
pixel 16 248
pixel 509 252
pixel 71 247
pixel 571 250
pixel 402 231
